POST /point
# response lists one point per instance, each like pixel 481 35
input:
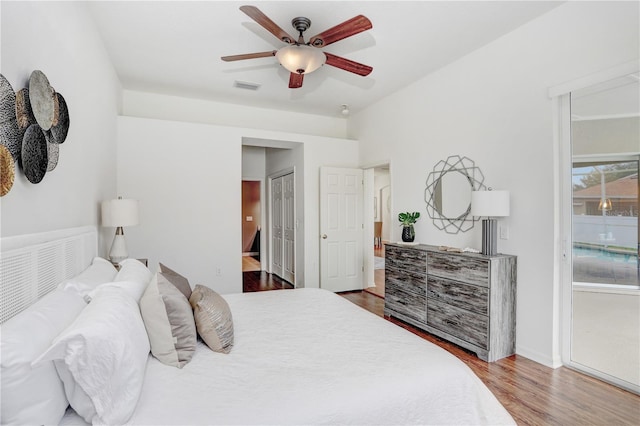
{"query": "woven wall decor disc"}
pixel 7 100
pixel 61 128
pixel 53 151
pixel 7 170
pixel 34 154
pixel 24 113
pixel 10 133
pixel 41 95
pixel 11 138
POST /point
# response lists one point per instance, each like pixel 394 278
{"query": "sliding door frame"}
pixel 563 192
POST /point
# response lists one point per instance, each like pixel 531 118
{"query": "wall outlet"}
pixel 218 272
pixel 504 232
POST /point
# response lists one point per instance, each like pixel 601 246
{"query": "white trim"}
pixel 622 156
pixel 626 290
pixel 575 117
pixel 604 377
pixel 595 78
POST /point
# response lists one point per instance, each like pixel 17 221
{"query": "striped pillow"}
pixel 213 318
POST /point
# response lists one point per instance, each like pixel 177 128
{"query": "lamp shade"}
pixel 605 204
pixel 120 212
pixel 301 59
pixel 490 203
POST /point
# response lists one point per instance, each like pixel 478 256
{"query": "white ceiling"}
pixel 174 47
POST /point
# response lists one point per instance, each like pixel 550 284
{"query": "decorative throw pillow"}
pixel 176 279
pixel 168 318
pixel 213 319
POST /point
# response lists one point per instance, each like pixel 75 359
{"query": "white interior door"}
pixel 341 229
pixel 288 228
pixel 276 226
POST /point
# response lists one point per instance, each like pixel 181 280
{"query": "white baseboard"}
pixel 538 357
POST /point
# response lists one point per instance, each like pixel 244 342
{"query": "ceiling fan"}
pixel 302 58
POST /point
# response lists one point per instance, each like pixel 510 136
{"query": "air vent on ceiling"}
pixel 246 85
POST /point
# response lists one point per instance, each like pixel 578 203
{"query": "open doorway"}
pixel 382 221
pixel 251 225
pixel 263 162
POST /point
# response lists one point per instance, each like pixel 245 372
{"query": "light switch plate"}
pixel 504 232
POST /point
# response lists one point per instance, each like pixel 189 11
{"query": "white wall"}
pixel 253 162
pixel 152 105
pixel 187 177
pixel 492 106
pixel 60 40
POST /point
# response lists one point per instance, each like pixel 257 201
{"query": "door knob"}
pixel 324 236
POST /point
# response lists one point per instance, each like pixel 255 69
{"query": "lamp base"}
pixel 489 237
pixel 118 251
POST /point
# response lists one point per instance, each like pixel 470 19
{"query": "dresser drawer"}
pixel 412 282
pixel 406 259
pixel 465 296
pixel 468 326
pixel 459 267
pixel 406 300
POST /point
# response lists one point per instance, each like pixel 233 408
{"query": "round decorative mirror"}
pixel 448 193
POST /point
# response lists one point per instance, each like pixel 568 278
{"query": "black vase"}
pixel 408 234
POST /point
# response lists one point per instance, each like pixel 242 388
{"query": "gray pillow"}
pixel 168 318
pixel 213 319
pixel 176 279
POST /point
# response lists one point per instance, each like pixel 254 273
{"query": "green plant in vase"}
pixel 407 220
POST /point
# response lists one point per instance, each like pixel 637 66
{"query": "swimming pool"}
pixel 602 254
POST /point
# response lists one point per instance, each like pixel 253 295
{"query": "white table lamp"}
pixel 119 213
pixel 489 204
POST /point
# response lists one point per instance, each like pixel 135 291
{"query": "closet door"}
pixel 288 228
pixel 276 227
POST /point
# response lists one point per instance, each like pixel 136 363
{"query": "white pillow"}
pixel 35 395
pixel 100 271
pixel 101 358
pixel 133 270
pixel 133 278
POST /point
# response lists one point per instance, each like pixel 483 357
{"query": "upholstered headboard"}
pixel 32 265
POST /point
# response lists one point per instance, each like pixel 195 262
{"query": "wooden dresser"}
pixel 468 299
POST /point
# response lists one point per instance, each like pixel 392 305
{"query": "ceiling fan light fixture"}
pixel 301 59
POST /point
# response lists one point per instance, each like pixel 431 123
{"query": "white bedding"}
pixel 308 356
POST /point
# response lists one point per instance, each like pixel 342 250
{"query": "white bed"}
pixel 308 356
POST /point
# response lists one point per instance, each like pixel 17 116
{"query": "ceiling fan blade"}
pixel 348 28
pixel 295 80
pixel 248 56
pixel 262 19
pixel 348 65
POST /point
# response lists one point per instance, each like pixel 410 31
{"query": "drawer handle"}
pixel 446 321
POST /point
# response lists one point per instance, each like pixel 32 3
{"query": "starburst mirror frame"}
pixel 433 192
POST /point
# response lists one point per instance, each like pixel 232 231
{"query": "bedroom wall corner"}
pixel 492 106
pixel 60 39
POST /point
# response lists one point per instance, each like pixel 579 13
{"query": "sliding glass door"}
pixel 605 293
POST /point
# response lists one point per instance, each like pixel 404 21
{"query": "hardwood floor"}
pixel 262 281
pixel 532 393
pixel 250 264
